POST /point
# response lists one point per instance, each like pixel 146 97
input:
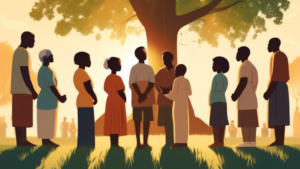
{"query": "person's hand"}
pixel 266 95
pixel 165 91
pixel 95 102
pixel 142 97
pixel 234 97
pixel 63 98
pixel 34 95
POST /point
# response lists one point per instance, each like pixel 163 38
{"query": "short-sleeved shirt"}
pixel 164 78
pixel 218 89
pixel 248 100
pixel 84 99
pixel 46 99
pixel 141 72
pixel 279 67
pixel 20 58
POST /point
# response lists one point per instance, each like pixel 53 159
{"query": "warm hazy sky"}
pixel 14 19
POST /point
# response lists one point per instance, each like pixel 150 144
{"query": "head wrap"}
pixel 44 53
pixel 106 63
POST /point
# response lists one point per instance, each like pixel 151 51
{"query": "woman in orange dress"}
pixel 115 123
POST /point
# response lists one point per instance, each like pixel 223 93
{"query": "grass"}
pixel 197 156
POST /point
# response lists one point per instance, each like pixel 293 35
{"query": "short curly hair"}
pixel 223 63
pixel 79 57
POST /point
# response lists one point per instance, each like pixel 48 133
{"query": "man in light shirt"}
pixel 141 81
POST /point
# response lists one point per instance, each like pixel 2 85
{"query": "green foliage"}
pixel 118 15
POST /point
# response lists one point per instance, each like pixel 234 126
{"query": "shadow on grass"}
pixel 19 157
pixel 180 158
pixel 115 158
pixel 78 159
pixel 142 158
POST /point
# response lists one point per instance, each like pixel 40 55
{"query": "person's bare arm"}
pixel 149 87
pixel 270 90
pixel 239 90
pixel 89 89
pixel 54 90
pixel 27 80
pixel 122 94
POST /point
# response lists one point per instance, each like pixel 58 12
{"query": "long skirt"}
pixel 22 110
pixel 86 127
pixel 279 107
pixel 218 114
pixel 46 123
pixel 247 118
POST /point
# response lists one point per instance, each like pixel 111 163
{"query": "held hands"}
pixel 165 90
pixel 234 97
pixel 142 98
pixel 63 98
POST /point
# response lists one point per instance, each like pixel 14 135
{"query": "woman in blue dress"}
pixel 47 100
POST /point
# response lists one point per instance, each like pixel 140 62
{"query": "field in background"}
pixel 198 155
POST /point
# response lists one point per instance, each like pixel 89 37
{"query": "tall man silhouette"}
pixel 164 80
pixel 141 82
pixel 22 90
pixel 64 127
pixel 277 92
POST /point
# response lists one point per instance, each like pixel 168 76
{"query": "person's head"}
pixel 46 56
pixel 72 120
pixel 82 59
pixel 27 39
pixel 180 70
pixel 141 53
pixel 264 124
pixel 65 118
pixel 167 58
pixel 113 63
pixel 243 53
pixel 232 121
pixel 220 64
pixel 274 45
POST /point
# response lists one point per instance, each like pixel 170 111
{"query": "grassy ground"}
pixel 197 156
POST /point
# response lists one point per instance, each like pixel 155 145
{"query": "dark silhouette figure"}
pixel 141 82
pixel 115 122
pixel 264 131
pixel 3 127
pixel 73 129
pixel 64 127
pixel 164 80
pixel 22 90
pixel 47 102
pixel 232 129
pixel 247 101
pixel 180 91
pixel 218 114
pixel 277 92
pixel 85 101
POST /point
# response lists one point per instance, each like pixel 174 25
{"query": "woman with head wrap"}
pixel 47 100
pixel 115 123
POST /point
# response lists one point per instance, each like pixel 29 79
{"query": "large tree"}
pixel 162 19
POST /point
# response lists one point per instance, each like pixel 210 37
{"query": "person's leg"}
pixel 253 136
pixel 246 134
pixel 146 132
pixel 279 133
pixel 148 117
pixel 169 127
pixel 216 134
pixel 137 118
pixel 222 134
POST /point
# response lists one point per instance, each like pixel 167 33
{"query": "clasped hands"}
pixel 142 97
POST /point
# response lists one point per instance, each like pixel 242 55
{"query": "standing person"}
pixel 264 131
pixel 247 101
pixel 218 114
pixel 2 128
pixel 22 90
pixel 72 129
pixel 180 91
pixel 47 100
pixel 115 123
pixel 232 129
pixel 141 82
pixel 85 102
pixel 278 93
pixel 164 80
pixel 64 128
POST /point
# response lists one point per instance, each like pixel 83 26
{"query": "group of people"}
pixel 67 127
pixel 172 100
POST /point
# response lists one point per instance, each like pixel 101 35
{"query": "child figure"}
pixel 115 123
pixel 218 114
pixel 179 95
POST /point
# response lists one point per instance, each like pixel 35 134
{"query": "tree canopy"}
pixel 94 16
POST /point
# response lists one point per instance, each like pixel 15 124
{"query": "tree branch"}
pixel 185 19
pixel 141 9
pixel 225 7
pixel 129 19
